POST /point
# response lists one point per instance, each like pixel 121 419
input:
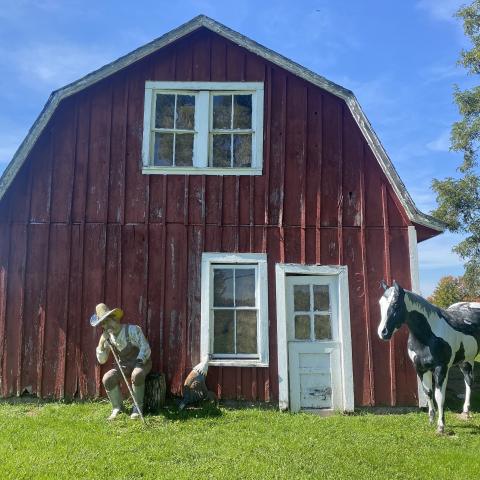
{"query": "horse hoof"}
pixel 440 430
pixel 465 416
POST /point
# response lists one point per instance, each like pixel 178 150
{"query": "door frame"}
pixel 281 272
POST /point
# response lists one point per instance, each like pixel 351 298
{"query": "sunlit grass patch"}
pixel 58 440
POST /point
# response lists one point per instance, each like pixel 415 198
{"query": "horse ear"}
pixel 397 286
pixel 383 284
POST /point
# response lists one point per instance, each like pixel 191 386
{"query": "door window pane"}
pixel 302 327
pixel 245 287
pixel 165 106
pixel 223 287
pixel 323 327
pixel 242 111
pixel 242 150
pixel 185 112
pixel 222 111
pixel 163 149
pixel 246 331
pixel 301 298
pixel 183 149
pixel 321 297
pixel 224 330
pixel 221 150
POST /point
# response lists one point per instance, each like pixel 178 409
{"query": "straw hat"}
pixel 102 312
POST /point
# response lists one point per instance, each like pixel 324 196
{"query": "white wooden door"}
pixel 314 346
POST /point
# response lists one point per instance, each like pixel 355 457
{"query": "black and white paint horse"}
pixel 437 340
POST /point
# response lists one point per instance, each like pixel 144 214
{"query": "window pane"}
pixel 183 149
pixel 242 111
pixel 221 151
pixel 242 150
pixel 245 287
pixel 246 331
pixel 301 295
pixel 223 331
pixel 185 112
pixel 164 111
pixel 222 111
pixel 223 287
pixel 323 328
pixel 302 327
pixel 321 298
pixel 163 149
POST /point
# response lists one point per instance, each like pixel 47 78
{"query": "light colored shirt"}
pixel 119 341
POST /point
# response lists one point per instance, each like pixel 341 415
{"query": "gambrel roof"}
pixel 415 215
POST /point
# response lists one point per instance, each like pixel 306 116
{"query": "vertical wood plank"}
pixel 57 302
pixel 366 290
pixel 99 152
pixel 387 270
pixel 93 280
pixel 118 139
pixel 135 181
pixel 331 160
pixel 4 280
pixel 14 310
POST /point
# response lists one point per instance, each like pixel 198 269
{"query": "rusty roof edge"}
pixel 382 157
pixel 414 214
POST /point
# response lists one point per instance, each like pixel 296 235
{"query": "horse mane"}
pixel 463 316
pixel 422 305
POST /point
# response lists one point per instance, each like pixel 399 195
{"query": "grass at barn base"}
pixel 56 440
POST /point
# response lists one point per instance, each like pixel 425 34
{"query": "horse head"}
pixel 392 309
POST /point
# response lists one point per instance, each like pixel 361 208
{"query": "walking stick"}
pixel 126 382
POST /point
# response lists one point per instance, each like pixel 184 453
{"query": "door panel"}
pixel 313 342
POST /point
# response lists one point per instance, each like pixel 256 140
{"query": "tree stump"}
pixel 155 390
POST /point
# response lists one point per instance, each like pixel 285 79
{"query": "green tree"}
pixel 448 291
pixel 459 198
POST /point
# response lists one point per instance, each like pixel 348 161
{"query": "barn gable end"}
pixel 88 226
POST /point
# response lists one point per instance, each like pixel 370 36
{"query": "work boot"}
pixel 115 396
pixel 138 392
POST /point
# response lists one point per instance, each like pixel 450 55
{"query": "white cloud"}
pixel 441 143
pixel 436 260
pixel 437 252
pixel 442 73
pixel 441 9
pixel 20 10
pixel 55 65
pixel 10 140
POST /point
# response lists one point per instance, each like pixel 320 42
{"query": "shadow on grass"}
pixel 384 410
pixel 172 413
pixel 467 427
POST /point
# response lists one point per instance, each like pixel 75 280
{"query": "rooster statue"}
pixel 194 387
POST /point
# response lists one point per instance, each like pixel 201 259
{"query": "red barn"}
pixel 233 203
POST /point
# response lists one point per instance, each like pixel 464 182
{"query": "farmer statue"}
pixel 132 350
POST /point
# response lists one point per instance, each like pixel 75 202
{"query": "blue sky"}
pixel 399 58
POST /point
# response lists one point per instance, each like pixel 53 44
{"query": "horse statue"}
pixel 437 340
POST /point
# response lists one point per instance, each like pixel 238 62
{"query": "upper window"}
pixel 234 309
pixel 203 128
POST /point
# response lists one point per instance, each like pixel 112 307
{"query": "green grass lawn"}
pixel 55 440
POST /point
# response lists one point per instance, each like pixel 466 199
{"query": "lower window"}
pixel 234 309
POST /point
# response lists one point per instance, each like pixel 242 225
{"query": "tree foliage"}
pixel 448 291
pixel 459 198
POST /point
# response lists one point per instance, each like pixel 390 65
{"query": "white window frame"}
pixel 209 261
pixel 203 92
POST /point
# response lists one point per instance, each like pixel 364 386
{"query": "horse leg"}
pixel 467 370
pixel 441 376
pixel 426 379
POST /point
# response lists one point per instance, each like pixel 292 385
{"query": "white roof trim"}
pixel 202 21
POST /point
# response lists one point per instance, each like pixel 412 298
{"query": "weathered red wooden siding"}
pixel 81 224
